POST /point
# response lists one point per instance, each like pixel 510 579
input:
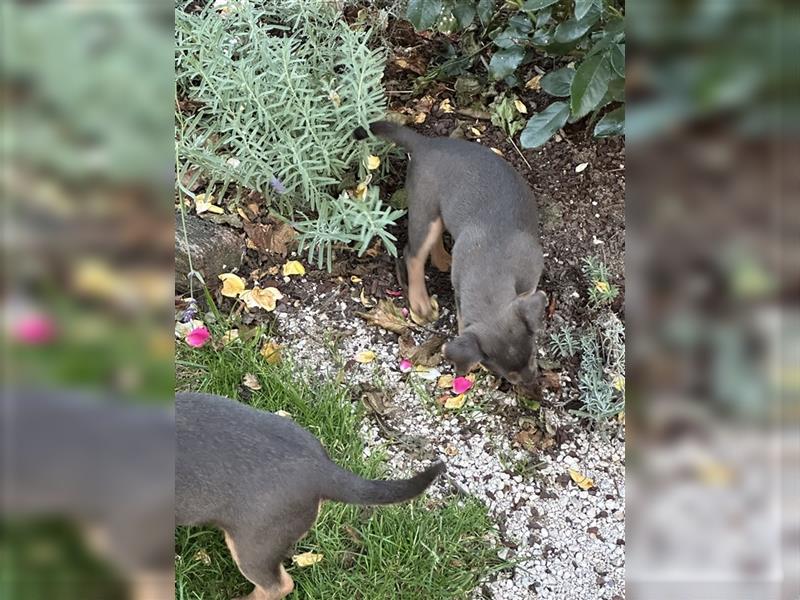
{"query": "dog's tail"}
pixel 348 487
pixel 403 136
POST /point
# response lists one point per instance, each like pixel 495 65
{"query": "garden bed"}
pixel 514 454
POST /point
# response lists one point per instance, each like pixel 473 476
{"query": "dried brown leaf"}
pixel 386 316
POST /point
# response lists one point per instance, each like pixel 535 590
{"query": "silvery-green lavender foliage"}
pixel 85 89
pixel 280 86
pixel 601 378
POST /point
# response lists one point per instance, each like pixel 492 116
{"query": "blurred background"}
pixel 712 271
pixel 87 457
pixel 713 120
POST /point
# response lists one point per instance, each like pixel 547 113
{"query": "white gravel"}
pixel 564 542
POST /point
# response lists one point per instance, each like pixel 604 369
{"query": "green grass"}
pixel 424 549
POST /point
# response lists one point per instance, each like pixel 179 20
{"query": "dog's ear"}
pixel 530 309
pixel 464 352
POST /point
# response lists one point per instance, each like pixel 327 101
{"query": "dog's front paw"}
pixel 424 313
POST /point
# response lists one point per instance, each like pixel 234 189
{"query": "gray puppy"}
pixel 497 260
pixel 261 479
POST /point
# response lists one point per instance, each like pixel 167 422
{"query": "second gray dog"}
pixel 261 478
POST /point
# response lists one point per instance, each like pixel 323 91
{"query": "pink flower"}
pixel 406 365
pixel 34 330
pixel 461 385
pixel 198 337
pixel 404 312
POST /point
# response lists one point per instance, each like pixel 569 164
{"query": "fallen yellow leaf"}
pixel 364 300
pixel 293 267
pixel 584 482
pixel 373 162
pixel 619 383
pixel 602 286
pixel 475 131
pixel 361 191
pixel 229 336
pixel 284 414
pixel 306 559
pixel 445 381
pixel 205 203
pixel 451 450
pixel 251 381
pixel 420 117
pixel 355 279
pixel 533 82
pixel 521 107
pixel 455 401
pixel 271 352
pixel 265 298
pixel 232 285
pixel 365 356
pixel 445 106
pixel 496 151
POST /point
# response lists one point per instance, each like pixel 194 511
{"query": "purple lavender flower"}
pixel 190 312
pixel 276 185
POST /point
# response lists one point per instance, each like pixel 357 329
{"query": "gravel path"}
pixel 564 542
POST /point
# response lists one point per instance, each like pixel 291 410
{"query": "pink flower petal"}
pixel 198 337
pixel 404 312
pixel 394 293
pixel 461 385
pixel 34 329
pixel 406 365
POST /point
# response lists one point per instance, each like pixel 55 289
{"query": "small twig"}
pixel 520 153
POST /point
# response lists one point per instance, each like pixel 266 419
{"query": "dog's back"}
pixel 231 457
pixel 475 185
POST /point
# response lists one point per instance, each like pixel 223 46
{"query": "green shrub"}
pixel 590 32
pixel 601 377
pixel 601 291
pixel 277 90
pixel 563 342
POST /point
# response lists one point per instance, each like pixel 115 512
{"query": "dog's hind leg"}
pixel 259 551
pixel 440 258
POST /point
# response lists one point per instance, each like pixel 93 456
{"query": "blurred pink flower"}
pixel 461 385
pixel 198 337
pixel 405 365
pixel 34 329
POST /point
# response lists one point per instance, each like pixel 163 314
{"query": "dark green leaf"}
pixel 613 33
pixel 464 12
pixel 538 4
pixel 505 61
pixel 543 17
pixel 612 123
pixel 542 38
pixel 589 85
pixel 616 89
pixel 521 23
pixel 508 38
pixel 572 30
pixel 423 14
pixel 544 125
pixel 558 83
pixel 582 8
pixel 485 11
pixel 617 55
